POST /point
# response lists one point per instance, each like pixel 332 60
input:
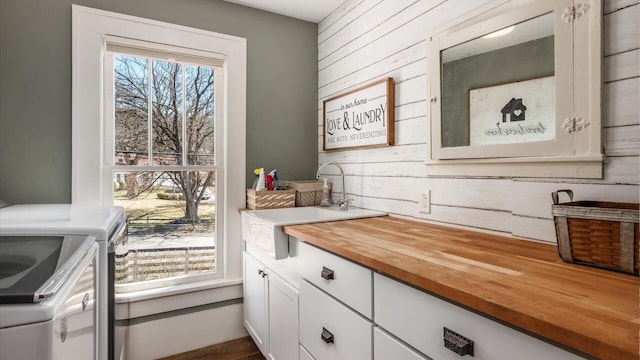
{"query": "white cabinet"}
pixel 331 331
pixel 283 318
pixel 304 354
pixel 335 307
pixel 386 346
pixel 270 310
pixel 255 301
pixel 350 312
pixel 342 279
pixel 419 319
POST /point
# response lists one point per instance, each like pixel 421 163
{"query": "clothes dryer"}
pixel 106 225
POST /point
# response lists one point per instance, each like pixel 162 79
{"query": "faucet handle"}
pixel 344 203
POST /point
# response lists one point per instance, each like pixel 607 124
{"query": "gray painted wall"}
pixel 35 88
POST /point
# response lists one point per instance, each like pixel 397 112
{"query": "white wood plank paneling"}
pixel 363 30
pixel 363 41
pixel 622 66
pixel 395 66
pixel 621 141
pixel 388 169
pixel 615 5
pixel 349 11
pixel 622 30
pixel 350 59
pixel 620 102
pixel 533 199
pixel 534 228
pixel 622 170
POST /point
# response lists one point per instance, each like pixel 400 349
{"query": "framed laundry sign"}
pixel 517 112
pixel 360 118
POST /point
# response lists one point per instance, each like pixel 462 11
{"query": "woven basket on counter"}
pixel 308 192
pixel 596 233
pixel 263 199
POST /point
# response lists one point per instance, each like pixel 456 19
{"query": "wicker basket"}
pixel 308 192
pixel 600 234
pixel 263 199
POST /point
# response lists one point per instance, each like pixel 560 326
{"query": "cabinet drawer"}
pixel 387 347
pixel 419 319
pixel 343 279
pixel 331 331
pixel 304 354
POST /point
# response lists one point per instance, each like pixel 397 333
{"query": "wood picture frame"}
pixel 360 118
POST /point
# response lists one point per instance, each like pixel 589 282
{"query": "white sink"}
pixel 263 228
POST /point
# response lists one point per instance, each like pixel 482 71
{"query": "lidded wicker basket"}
pixel 308 192
pixel 596 233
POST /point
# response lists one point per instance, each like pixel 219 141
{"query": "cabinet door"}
pixel 255 302
pixel 283 319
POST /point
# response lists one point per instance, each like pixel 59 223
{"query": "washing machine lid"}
pixel 26 263
pixel 55 289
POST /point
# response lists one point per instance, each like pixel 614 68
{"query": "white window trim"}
pixel 91 175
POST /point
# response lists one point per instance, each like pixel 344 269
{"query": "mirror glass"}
pixel 500 88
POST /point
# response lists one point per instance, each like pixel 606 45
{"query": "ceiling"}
pixel 308 10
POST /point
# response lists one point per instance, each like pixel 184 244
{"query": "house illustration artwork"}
pixel 514 109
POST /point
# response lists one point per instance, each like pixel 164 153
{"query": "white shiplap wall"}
pixel 366 40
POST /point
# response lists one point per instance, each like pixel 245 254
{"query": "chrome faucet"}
pixel 344 202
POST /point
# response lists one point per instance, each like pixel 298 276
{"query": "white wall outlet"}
pixel 424 202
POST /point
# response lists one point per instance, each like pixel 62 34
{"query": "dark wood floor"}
pixel 239 349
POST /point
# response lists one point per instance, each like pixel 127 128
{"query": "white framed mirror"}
pixel 515 90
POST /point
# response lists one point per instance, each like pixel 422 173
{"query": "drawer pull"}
pixel 327 273
pixel 457 343
pixel 326 336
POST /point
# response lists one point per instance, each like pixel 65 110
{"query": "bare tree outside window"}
pixel 179 93
pixel 164 118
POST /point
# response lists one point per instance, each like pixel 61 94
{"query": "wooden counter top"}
pixel 522 283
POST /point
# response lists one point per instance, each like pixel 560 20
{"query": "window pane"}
pixel 167 113
pixel 131 124
pixel 200 114
pixel 172 222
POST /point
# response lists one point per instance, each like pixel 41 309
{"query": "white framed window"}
pixel 159 115
pixel 162 137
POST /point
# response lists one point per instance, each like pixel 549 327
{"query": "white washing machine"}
pixel 105 225
pixel 47 297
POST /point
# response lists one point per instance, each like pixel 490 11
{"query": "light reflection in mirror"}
pixel 522 56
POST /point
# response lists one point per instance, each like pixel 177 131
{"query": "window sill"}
pixel 159 300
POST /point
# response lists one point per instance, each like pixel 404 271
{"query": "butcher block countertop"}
pixel 522 283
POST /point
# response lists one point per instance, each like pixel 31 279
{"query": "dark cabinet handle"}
pixel 457 343
pixel 326 336
pixel 327 273
pixel 260 272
